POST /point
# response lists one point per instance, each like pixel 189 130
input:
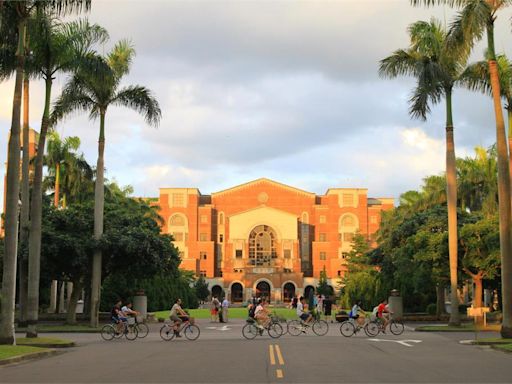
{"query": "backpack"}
pixel 374 313
pixel 252 310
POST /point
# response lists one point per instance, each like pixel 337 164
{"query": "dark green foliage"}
pixel 201 288
pixel 431 308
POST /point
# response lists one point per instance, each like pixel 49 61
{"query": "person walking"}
pixel 225 306
pixel 214 308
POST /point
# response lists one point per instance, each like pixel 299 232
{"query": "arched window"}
pixel 178 227
pixel 177 220
pixel 262 245
pixel 348 226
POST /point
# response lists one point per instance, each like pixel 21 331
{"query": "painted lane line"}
pixel 272 357
pixel 402 342
pixel 279 374
pixel 279 355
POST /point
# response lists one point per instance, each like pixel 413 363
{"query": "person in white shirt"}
pixel 305 317
pixel 128 311
pixel 177 315
pixel 225 306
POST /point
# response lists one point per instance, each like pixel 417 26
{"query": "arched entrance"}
pixel 237 293
pixel 288 292
pixel 307 292
pixel 263 290
pixel 217 291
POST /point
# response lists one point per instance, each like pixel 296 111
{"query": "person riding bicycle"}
pixel 303 315
pixel 384 313
pixel 354 313
pixel 128 311
pixel 118 317
pixel 261 314
pixel 178 316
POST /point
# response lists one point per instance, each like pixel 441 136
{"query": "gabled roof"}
pixel 263 180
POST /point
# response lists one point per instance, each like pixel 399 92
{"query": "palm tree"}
pixel 475 18
pixel 23 9
pixel 86 92
pixel 57 47
pixel 437 66
pixel 60 154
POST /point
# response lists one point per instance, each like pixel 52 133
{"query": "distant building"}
pixel 264 238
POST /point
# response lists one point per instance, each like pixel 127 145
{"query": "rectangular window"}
pixel 322 237
pixel 323 256
pixel 287 254
pixel 203 237
pixel 348 237
pixel 373 219
pixel 178 236
pixel 203 255
pixel 238 253
pixel 221 238
pixel 178 200
pixel 339 273
pixel 204 219
pixel 348 200
pixel 322 219
pixel 344 255
pixel 202 273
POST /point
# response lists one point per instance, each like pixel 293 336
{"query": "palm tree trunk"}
pixel 509 115
pixel 75 295
pixel 451 195
pixel 57 185
pixel 477 293
pixel 25 206
pixel 98 224
pixel 503 190
pixel 36 210
pixel 12 197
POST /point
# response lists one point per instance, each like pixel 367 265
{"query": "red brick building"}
pixel 264 238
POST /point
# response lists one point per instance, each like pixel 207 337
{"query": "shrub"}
pixel 431 308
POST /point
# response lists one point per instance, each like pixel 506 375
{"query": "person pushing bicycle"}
pixel 178 316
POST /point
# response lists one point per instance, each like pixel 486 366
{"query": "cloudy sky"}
pixel 287 90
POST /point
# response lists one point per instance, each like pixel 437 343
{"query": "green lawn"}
pixel 469 327
pixel 234 313
pixel 63 328
pixel 504 347
pixel 7 351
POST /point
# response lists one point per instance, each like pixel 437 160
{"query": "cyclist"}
pixel 383 313
pixel 128 311
pixel 261 314
pixel 178 316
pixel 118 316
pixel 354 314
pixel 304 316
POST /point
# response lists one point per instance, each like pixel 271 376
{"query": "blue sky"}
pixel 280 89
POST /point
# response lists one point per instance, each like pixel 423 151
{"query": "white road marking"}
pixel 223 328
pixel 402 342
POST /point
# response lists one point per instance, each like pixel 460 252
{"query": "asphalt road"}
pixel 222 355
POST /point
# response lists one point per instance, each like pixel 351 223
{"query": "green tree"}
pixel 323 288
pixel 86 92
pixel 437 62
pixel 202 290
pixel 475 18
pixel 23 10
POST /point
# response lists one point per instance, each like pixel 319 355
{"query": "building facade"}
pixel 264 238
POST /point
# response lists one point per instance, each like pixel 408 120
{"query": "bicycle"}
pixel 110 331
pixel 191 331
pixel 142 328
pixel 274 318
pixel 396 327
pixel 319 327
pixel 252 329
pixel 350 327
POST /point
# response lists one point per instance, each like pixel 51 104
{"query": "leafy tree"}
pixel 87 92
pixel 323 288
pixel 202 290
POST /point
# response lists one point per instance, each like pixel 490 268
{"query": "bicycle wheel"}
pixel 396 327
pixel 250 331
pixel 131 332
pixel 294 327
pixel 108 332
pixel 275 330
pixel 371 329
pixel 166 332
pixel 192 332
pixel 143 330
pixel 347 329
pixel 320 327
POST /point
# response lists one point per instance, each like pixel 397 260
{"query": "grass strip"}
pixel 461 328
pixel 63 328
pixel 8 351
pixel 233 313
pixel 48 342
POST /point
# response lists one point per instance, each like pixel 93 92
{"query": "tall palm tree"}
pixel 23 10
pixel 437 66
pixel 57 47
pixel 86 92
pixel 475 18
pixel 60 154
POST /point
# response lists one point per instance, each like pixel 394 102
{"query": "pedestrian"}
pixel 328 307
pixel 225 306
pixel 320 305
pixel 219 311
pixel 214 308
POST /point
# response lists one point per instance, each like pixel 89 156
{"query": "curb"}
pixel 49 345
pixel 29 356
